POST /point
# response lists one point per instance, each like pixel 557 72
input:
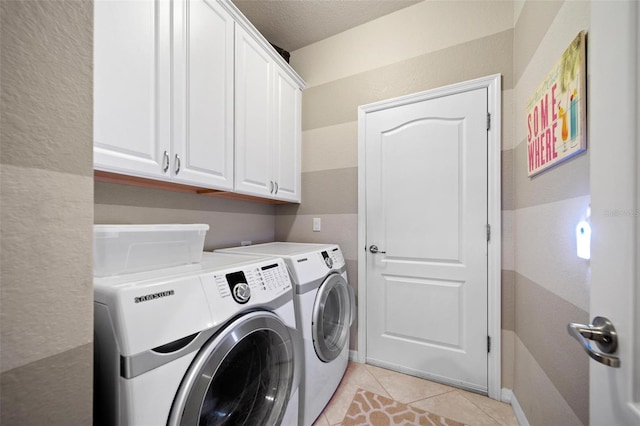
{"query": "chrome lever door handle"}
pixel 603 333
pixel 374 249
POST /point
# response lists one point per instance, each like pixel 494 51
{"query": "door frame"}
pixel 494 151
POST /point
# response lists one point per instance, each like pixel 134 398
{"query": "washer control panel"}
pixel 239 287
pixel 257 283
pixel 332 258
pixel 327 259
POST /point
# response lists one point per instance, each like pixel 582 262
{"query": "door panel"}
pixel 132 86
pixel 253 117
pixel 287 161
pixel 434 299
pixel 203 114
pixel 426 201
pixel 410 148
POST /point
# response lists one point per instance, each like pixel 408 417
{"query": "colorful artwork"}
pixel 556 112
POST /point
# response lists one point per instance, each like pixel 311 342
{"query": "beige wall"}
pixel 230 221
pixel 433 44
pixel 48 208
pixel 424 46
pixel 551 285
pixel 46 307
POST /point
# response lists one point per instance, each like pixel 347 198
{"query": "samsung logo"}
pixel 153 296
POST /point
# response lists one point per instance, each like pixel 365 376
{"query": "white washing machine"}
pixel 213 343
pixel 325 307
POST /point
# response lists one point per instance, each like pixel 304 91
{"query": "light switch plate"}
pixel 317 224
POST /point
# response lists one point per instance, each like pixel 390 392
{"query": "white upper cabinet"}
pixel 254 105
pixel 132 110
pixel 140 127
pixel 187 91
pixel 203 94
pixel 267 124
pixel 287 138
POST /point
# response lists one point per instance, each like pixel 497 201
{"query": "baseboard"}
pixel 522 419
pixel 353 356
pixel 506 395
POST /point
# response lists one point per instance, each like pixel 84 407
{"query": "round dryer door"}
pixel 242 376
pixel 331 318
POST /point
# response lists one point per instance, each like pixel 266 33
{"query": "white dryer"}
pixel 325 308
pixel 213 343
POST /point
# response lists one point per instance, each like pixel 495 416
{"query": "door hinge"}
pixel 488 232
pixel 488 344
pixel 488 120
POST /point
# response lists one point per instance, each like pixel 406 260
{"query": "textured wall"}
pixel 230 221
pixel 550 284
pixel 46 308
pixel 424 46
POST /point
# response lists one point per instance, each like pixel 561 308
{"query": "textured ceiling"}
pixel 292 24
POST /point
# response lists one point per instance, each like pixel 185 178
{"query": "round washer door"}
pixel 331 318
pixel 241 376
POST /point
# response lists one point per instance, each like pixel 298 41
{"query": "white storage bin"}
pixel 123 249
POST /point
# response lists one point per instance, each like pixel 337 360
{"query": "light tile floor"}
pixel 456 404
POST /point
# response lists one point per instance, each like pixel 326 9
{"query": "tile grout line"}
pixel 378 381
pixel 429 397
pixel 482 409
pixel 497 422
pixel 411 402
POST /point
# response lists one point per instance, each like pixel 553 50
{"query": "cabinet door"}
pixel 202 152
pixel 132 87
pixel 253 117
pixel 287 144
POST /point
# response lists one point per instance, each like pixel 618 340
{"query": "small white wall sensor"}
pixel 583 240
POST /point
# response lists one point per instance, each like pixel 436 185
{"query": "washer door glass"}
pixel 243 376
pixel 330 326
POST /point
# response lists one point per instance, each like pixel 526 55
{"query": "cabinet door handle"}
pixel 177 164
pixel 276 187
pixel 165 162
pixel 271 192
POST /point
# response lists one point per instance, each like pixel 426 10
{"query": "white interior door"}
pixel 426 213
pixel 613 141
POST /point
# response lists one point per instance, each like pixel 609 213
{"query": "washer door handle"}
pixel 352 304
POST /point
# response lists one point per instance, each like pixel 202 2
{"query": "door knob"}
pixel 603 333
pixel 374 249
